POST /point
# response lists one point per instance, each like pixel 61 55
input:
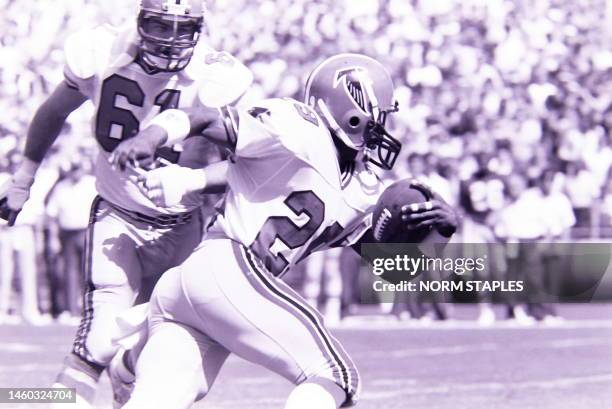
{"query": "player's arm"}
pixel 218 126
pixel 49 119
pixel 44 129
pixel 171 127
pixel 168 185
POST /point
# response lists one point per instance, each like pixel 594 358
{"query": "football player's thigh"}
pixel 179 363
pixel 260 319
pixel 112 276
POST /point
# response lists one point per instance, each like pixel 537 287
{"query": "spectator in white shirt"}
pixel 520 226
pixel 557 209
pixel 557 212
pixel 68 209
pixel 582 190
pixel 20 250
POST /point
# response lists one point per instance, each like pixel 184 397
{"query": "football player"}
pixel 129 75
pixel 300 181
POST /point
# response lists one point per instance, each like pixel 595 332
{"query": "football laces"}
pixel 381 223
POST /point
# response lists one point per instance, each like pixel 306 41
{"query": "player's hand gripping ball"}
pixel 407 211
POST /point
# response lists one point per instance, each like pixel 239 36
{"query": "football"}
pixel 387 224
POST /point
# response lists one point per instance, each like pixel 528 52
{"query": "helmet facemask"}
pixel 378 140
pixel 167 41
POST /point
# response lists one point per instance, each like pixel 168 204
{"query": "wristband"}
pixel 198 180
pixel 176 124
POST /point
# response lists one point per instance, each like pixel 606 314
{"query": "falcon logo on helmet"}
pixel 353 93
pixel 169 31
pixel 354 80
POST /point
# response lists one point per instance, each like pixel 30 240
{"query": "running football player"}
pixel 130 75
pixel 299 181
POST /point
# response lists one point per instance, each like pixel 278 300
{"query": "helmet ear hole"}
pixel 354 121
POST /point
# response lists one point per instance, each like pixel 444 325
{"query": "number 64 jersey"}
pixel 287 196
pixel 101 63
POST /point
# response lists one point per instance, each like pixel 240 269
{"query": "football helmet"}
pixel 169 30
pixel 353 93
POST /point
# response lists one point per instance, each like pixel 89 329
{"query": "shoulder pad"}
pixel 221 78
pixel 301 132
pixel 287 117
pixel 88 50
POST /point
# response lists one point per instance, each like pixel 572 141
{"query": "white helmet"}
pixel 169 31
pixel 354 94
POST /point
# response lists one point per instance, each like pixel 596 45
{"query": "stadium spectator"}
pixel 482 194
pixel 21 244
pixel 525 84
pixel 607 201
pixel 323 282
pixel 582 190
pixel 556 210
pixel 521 225
pixel 68 212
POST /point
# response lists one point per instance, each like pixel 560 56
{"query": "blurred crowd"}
pixel 504 104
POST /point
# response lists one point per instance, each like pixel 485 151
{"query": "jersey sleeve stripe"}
pixel 230 122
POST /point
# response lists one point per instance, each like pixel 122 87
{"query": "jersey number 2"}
pixel 293 236
pixel 110 114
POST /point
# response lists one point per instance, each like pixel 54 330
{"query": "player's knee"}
pixel 99 348
pixel 96 345
pixel 99 324
pixel 102 351
pixel 316 393
pixel 343 381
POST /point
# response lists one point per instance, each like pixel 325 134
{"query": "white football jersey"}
pixel 287 196
pixel 101 64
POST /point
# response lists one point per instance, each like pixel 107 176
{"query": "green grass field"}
pixel 452 365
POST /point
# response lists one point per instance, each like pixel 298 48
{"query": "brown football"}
pixel 387 224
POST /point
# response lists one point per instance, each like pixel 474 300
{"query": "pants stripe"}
pixel 80 343
pixel 311 317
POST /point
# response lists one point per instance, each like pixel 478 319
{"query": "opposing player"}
pixel 299 181
pixel 130 75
